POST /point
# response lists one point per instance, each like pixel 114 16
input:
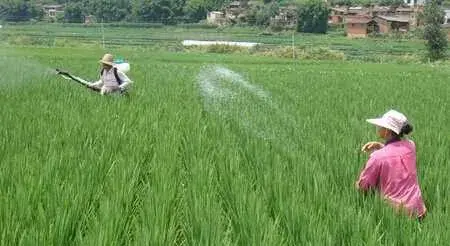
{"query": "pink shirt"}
pixel 392 170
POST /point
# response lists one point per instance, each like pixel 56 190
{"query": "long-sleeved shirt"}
pixel 108 79
pixel 392 171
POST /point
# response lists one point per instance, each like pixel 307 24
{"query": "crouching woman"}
pixel 391 169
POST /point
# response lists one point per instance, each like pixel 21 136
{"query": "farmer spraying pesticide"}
pixel 391 168
pixel 112 76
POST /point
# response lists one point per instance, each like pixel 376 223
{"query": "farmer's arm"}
pixel 97 83
pixel 124 78
pixel 369 175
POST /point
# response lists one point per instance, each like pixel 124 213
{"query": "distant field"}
pixel 170 38
pixel 211 150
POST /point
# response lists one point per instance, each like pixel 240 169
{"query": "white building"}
pixel 414 2
pixel 53 9
pixel 447 16
pixel 215 17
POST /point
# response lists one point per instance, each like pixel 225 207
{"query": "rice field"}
pixel 211 150
pixel 170 38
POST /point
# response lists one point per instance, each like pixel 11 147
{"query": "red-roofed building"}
pixel 337 15
pixel 390 24
pixel 360 26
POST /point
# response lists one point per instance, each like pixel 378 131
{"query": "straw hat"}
pixel 391 120
pixel 107 59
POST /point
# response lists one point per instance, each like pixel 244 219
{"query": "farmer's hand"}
pixel 372 146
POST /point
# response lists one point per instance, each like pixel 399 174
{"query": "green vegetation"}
pixel 437 42
pixel 169 38
pixel 313 17
pixel 158 168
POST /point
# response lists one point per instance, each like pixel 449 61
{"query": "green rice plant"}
pixel 159 168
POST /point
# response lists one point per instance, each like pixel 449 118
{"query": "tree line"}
pixel 164 11
pixel 312 14
pixel 113 10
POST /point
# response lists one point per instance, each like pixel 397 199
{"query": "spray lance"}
pixel 79 80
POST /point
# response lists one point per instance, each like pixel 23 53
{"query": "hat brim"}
pixel 106 62
pixel 381 123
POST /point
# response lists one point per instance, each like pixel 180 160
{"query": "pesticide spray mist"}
pixel 230 96
pixel 20 70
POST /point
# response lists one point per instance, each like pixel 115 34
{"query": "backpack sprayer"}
pixel 122 65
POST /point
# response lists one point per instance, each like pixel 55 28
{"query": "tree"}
pixel 74 12
pixel 262 17
pixel 153 10
pixel 434 35
pixel 19 10
pixel 108 10
pixel 313 17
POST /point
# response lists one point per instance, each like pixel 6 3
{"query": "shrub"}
pixel 436 39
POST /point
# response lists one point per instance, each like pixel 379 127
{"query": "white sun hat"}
pixel 392 120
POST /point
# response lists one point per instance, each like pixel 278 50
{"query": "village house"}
pixel 360 26
pixel 337 15
pixel 414 2
pixel 215 18
pixel 387 19
pixel 412 13
pixel 89 19
pixel 51 10
pixel 447 16
pixel 388 24
pixel 404 11
pixel 357 11
pixel 287 18
pixel 380 10
pixel 235 10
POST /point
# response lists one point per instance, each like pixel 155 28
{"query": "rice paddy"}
pixel 211 149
